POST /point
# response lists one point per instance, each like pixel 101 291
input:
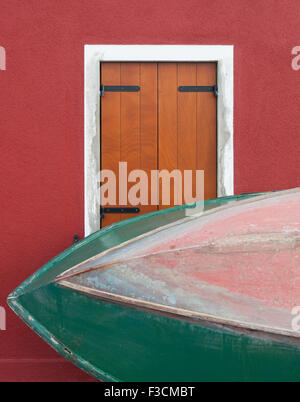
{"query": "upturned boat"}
pixel 183 294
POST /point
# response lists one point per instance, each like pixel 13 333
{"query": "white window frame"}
pixel 94 54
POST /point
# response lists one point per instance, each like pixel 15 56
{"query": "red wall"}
pixel 41 122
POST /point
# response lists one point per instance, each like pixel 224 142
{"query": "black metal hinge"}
pixel 118 88
pixel 118 210
pixel 201 88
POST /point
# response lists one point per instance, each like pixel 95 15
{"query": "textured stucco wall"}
pixel 41 122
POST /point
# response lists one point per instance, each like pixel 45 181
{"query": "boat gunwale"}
pixel 57 345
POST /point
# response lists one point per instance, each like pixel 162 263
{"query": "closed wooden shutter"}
pixel 159 127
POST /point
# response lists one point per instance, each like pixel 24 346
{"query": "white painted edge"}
pixel 94 54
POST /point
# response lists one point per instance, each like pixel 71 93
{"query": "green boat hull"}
pixel 115 342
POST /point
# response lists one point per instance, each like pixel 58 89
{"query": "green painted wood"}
pixel 122 343
pixel 119 343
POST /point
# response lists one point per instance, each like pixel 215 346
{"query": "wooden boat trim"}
pixel 70 271
pixel 196 316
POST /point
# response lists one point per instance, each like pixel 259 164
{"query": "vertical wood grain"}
pixel 187 121
pixel 207 129
pixel 134 125
pixel 110 127
pixel 167 122
pixel 159 127
pixel 130 121
pixel 148 133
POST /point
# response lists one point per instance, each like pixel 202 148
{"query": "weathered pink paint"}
pixel 238 264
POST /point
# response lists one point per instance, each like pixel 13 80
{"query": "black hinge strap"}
pixel 118 210
pixel 118 88
pixel 199 88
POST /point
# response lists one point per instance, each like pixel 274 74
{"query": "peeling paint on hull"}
pixel 118 341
